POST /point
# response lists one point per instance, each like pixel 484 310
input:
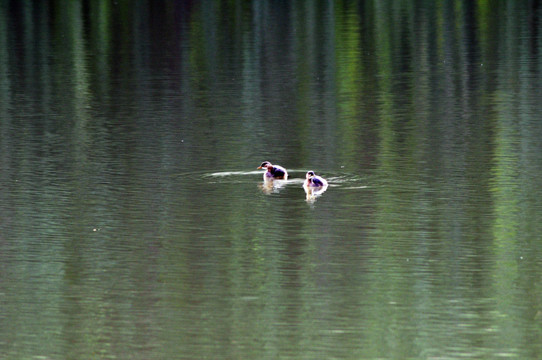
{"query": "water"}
pixel 134 224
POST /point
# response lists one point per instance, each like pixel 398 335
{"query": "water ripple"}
pixel 343 181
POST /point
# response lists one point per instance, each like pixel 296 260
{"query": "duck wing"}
pixel 278 172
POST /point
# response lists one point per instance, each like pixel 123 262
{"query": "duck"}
pixel 273 171
pixel 313 180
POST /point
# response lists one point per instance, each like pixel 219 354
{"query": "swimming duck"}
pixel 273 171
pixel 313 180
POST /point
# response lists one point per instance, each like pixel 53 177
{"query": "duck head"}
pixel 264 165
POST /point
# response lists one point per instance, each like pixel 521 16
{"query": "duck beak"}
pixel 259 167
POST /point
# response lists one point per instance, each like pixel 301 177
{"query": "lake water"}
pixel 134 224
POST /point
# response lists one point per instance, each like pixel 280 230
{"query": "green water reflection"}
pixel 133 224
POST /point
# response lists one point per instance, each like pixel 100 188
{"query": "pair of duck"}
pixel 278 172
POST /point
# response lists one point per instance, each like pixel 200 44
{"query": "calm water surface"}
pixel 134 224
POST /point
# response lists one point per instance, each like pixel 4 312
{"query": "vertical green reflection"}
pixel 349 80
pixel 515 186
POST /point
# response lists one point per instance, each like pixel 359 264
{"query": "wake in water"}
pixel 336 180
pixel 233 173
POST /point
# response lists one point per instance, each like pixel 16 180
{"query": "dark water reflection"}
pixel 134 224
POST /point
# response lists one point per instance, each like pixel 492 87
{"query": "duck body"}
pixel 313 180
pixel 273 171
pixel 314 186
